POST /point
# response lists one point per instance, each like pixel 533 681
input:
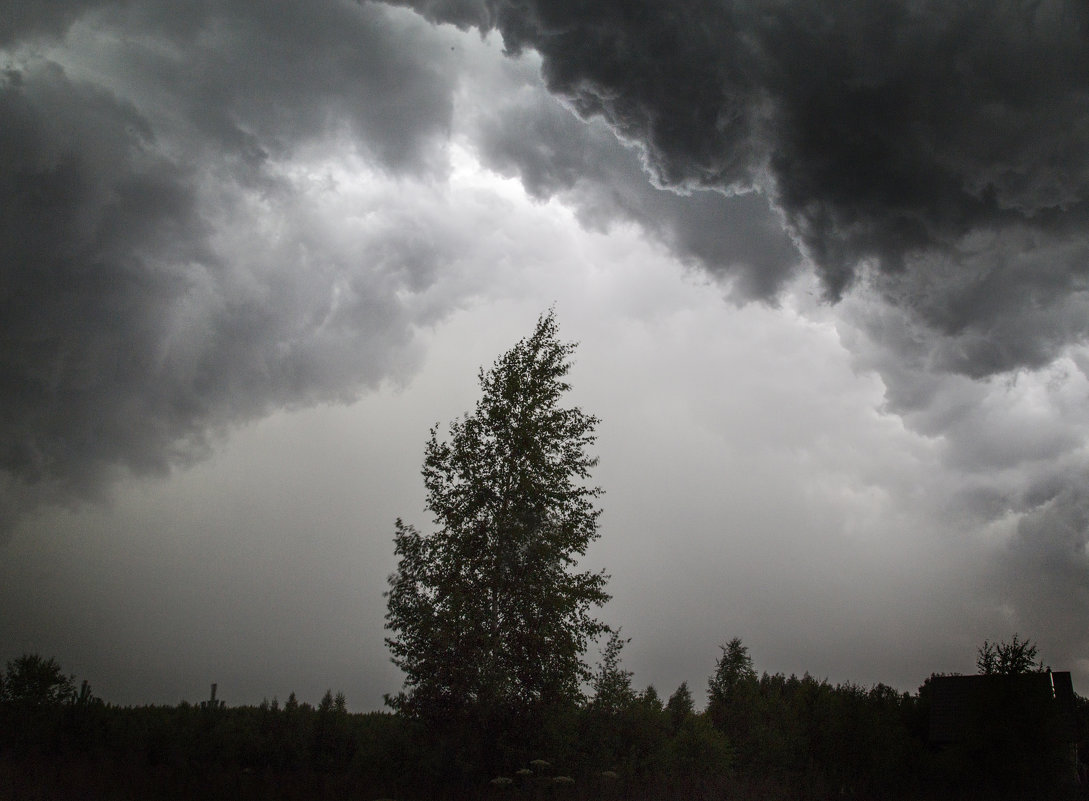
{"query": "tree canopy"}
pixel 488 611
pixel 732 670
pixel 1008 658
pixel 32 679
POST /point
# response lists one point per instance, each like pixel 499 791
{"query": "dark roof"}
pixel 963 706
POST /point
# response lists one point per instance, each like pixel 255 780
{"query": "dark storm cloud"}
pixel 942 147
pixel 163 275
pixel 553 152
pixel 85 203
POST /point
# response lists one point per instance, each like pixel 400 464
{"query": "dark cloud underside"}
pixel 943 147
pixel 554 153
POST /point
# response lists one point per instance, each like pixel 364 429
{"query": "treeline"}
pixel 62 743
pixel 759 736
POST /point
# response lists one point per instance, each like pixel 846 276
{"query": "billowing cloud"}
pixel 939 147
pixel 1045 568
pixel 738 238
pixel 1014 457
pixel 167 267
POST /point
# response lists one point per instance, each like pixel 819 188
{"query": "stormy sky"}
pixel 828 264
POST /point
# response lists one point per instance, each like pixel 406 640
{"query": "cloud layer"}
pixel 168 270
pixel 938 148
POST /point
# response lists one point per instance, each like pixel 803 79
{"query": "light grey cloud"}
pixel 1014 456
pixel 1041 576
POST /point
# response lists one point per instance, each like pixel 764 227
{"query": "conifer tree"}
pixel 733 670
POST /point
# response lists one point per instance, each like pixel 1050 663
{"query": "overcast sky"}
pixel 827 263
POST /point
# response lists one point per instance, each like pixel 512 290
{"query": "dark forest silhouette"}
pixel 759 736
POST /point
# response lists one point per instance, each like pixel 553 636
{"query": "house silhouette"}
pixel 1015 733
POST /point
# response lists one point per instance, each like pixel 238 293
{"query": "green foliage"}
pixel 331 743
pixel 733 672
pixel 612 683
pixel 809 738
pixel 697 752
pixel 650 698
pixel 680 708
pixel 34 681
pixel 1008 658
pixel 732 698
pixel 489 617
